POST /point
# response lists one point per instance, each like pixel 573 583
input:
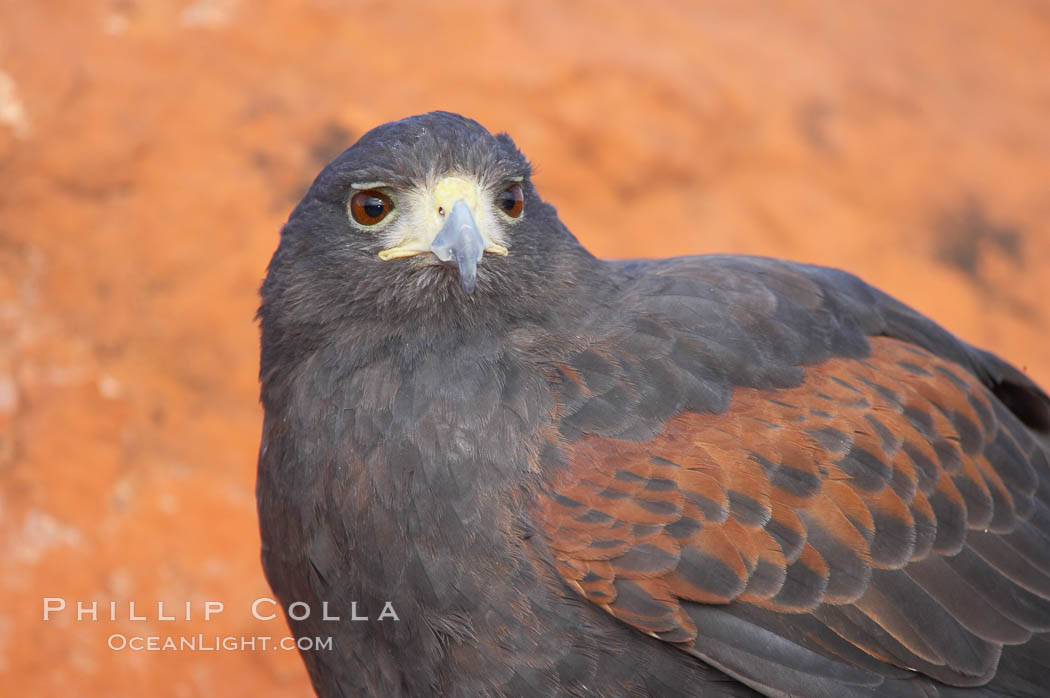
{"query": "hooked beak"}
pixel 450 231
pixel 460 243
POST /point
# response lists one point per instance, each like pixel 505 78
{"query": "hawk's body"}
pixel 697 476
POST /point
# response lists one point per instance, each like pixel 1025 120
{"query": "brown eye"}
pixel 511 200
pixel 370 207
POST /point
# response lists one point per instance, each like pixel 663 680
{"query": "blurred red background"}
pixel 151 149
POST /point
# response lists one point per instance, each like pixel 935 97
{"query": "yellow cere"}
pixel 451 189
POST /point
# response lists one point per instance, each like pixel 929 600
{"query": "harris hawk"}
pixel 510 468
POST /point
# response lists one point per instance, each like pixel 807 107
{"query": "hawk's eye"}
pixel 370 207
pixel 511 200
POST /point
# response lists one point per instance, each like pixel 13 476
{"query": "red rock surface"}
pixel 150 149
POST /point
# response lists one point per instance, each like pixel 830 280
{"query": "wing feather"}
pixel 889 503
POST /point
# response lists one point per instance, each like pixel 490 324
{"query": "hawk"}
pixel 539 473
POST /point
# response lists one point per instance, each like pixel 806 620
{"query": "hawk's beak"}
pixel 460 243
pixel 449 230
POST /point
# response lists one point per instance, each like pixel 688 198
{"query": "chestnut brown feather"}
pixel 858 488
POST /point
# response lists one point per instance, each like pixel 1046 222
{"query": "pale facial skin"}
pixel 456 218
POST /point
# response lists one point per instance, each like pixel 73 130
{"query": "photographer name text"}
pixel 263 608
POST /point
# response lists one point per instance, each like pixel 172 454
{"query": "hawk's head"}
pixel 424 222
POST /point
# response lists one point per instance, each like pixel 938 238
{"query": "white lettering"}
pixel 83 610
pixel 306 611
pixel 211 607
pixel 131 613
pixel 53 603
pixel 388 612
pixel 324 611
pixel 260 601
